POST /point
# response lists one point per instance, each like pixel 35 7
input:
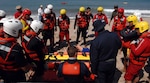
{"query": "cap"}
pixel 18 7
pixel 88 8
pixel 41 5
pixel 115 6
pixel 98 25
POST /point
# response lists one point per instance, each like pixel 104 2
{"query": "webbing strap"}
pixel 5 48
pixel 26 38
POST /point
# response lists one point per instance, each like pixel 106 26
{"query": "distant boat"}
pixel 63 3
pixel 125 2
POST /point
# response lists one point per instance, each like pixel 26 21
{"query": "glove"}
pixel 29 74
pixel 121 37
pixel 135 42
pixel 93 76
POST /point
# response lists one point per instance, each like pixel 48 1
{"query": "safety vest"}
pixel 49 23
pixel 5 64
pixel 141 59
pixel 82 21
pixel 99 17
pixel 1 32
pixel 71 69
pixel 119 23
pixel 25 41
pixel 63 23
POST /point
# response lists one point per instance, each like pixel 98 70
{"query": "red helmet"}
pixel 26 12
pixel 121 10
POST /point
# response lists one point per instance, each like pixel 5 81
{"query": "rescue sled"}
pixel 54 59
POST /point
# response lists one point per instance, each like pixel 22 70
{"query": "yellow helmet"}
pixel 63 11
pixel 82 9
pixel 100 9
pixel 142 26
pixel 132 18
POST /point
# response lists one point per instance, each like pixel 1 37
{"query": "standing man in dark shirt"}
pixel 103 52
pixel 114 13
pixel 89 16
pixel 89 13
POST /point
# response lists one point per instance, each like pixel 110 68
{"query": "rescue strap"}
pixel 26 38
pixel 5 48
pixel 144 56
pixel 138 59
pixel 34 55
pixel 4 66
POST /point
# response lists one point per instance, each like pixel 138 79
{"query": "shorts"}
pixel 48 34
pixel 132 71
pixel 63 34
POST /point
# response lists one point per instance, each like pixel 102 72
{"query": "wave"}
pixel 144 13
pixel 34 16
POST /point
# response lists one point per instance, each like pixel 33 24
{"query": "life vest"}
pixel 82 20
pixel 25 41
pixel 1 32
pixel 145 35
pixel 49 23
pixel 71 69
pixel 5 64
pixel 17 14
pixel 99 17
pixel 141 59
pixel 63 23
pixel 119 23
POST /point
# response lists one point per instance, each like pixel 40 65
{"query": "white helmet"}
pixel 50 6
pixel 36 25
pixel 46 11
pixel 12 27
pixel 138 14
pixel 2 13
pixel 4 19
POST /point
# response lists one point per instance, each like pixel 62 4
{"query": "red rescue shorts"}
pixel 63 34
pixel 132 71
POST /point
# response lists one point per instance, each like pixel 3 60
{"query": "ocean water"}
pixel 72 6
